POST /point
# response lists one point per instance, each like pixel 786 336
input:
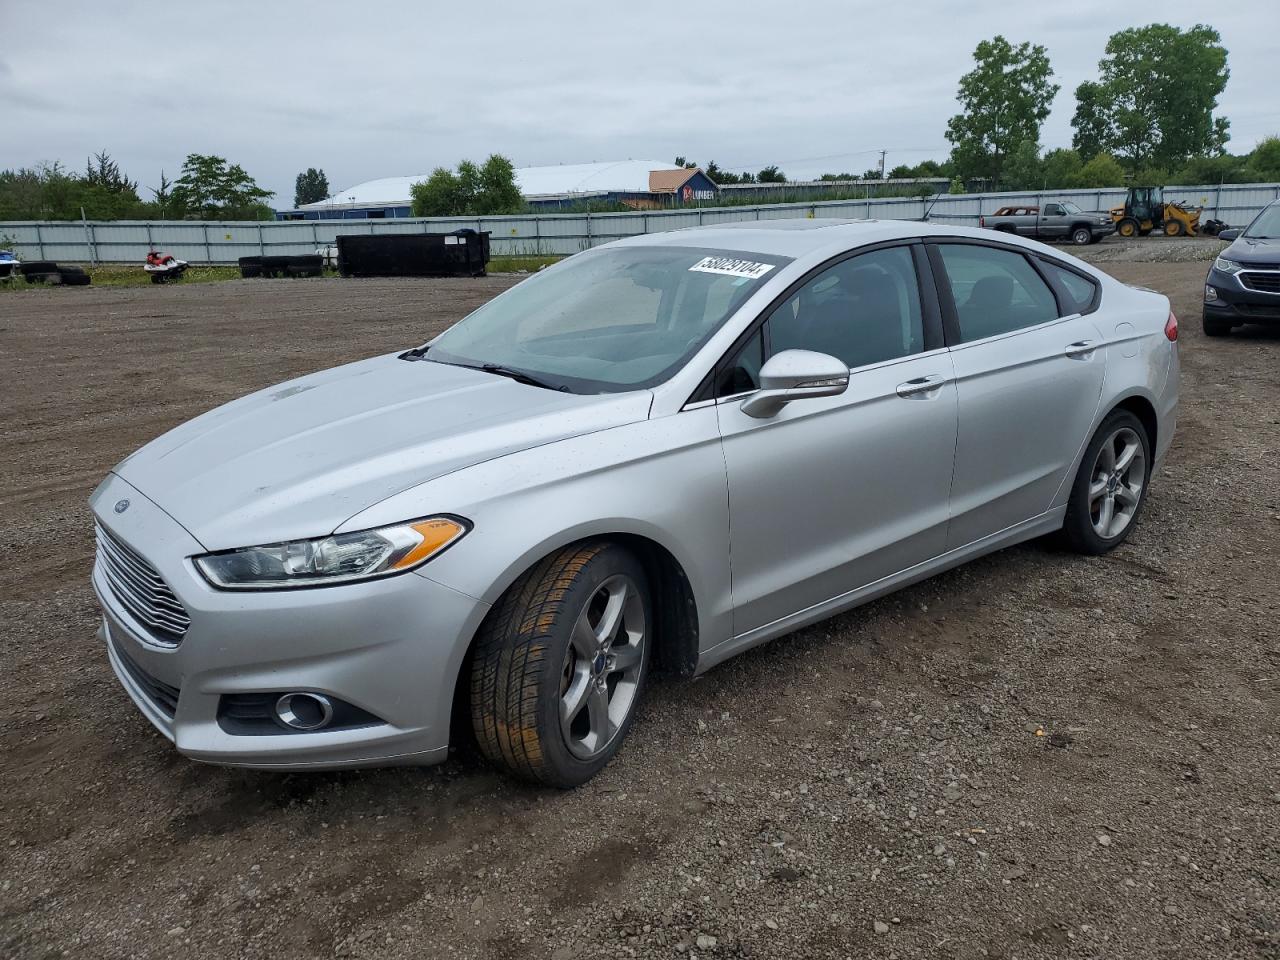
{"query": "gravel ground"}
pixel 1037 755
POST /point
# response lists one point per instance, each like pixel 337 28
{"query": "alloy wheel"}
pixel 601 673
pixel 1118 476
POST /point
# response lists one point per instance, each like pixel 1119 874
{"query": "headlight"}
pixel 337 558
pixel 1223 265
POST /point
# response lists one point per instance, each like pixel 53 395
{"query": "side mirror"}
pixel 1229 234
pixel 795 375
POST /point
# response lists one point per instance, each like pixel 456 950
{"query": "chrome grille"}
pixel 141 590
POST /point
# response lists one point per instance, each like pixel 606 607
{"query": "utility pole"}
pixel 882 153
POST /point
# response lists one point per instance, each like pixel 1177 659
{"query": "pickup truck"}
pixel 1056 220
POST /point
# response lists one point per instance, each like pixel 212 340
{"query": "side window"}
pixel 1053 210
pixel 1080 290
pixel 862 310
pixel 995 291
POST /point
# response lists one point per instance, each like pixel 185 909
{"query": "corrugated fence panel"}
pixel 553 234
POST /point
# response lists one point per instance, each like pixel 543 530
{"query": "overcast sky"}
pixel 366 90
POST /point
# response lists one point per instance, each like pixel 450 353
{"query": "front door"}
pixel 831 494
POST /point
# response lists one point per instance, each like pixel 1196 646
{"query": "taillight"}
pixel 1171 327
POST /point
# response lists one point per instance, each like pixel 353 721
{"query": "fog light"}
pixel 304 711
pixel 1210 293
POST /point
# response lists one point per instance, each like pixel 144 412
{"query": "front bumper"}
pixel 391 647
pixel 1237 303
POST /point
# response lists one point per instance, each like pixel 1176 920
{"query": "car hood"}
pixel 1254 252
pixel 298 459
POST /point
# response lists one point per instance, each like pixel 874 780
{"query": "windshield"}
pixel 1070 207
pixel 1266 225
pixel 608 320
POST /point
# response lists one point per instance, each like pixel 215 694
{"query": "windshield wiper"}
pixel 519 376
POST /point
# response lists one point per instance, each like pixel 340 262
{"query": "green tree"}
pixel 771 174
pixel 1102 171
pixel 1264 163
pixel 1024 169
pixel 1061 168
pixel 471 191
pixel 311 186
pixel 1094 130
pixel 1004 100
pixel 1155 98
pixel 211 189
pixel 1221 169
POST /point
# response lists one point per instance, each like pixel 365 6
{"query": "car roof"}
pixel 798 236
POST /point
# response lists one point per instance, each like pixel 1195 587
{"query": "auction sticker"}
pixel 730 267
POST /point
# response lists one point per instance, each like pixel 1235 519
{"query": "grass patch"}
pixel 121 275
pixel 516 264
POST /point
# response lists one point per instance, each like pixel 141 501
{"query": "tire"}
pixel 250 267
pixel 75 277
pixel 1174 228
pixel 1124 486
pixel 296 271
pixel 1082 236
pixel 37 267
pixel 157 278
pixel 1213 327
pixel 532 653
pixel 1128 227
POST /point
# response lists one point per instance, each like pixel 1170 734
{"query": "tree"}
pixel 687 164
pixel 1024 169
pixel 872 173
pixel 1264 163
pixel 311 186
pixel 771 174
pixel 101 171
pixel 1221 169
pixel 1004 100
pixel 1102 171
pixel 1155 98
pixel 210 189
pixel 1060 168
pixel 471 191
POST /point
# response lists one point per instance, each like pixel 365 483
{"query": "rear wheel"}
pixel 560 665
pixel 1110 487
pixel 1128 227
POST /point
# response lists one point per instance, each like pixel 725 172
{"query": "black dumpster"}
pixel 462 253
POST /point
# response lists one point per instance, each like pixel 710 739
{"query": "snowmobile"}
pixel 164 267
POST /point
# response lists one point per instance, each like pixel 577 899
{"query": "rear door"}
pixel 831 494
pixel 1029 368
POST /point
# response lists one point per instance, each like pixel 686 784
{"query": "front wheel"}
pixel 1082 236
pixel 1128 227
pixel 560 664
pixel 1110 487
pixel 1174 228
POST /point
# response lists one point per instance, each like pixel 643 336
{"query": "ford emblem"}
pixel 121 506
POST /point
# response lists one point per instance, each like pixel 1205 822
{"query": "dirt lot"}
pixel 873 786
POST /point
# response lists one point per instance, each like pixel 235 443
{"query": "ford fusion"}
pixel 658 453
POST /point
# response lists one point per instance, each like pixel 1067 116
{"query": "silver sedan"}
pixel 660 452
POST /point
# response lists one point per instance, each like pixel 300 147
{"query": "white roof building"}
pixel 618 176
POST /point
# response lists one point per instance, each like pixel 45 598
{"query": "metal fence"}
pixel 128 241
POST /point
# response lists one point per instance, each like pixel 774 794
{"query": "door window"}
pixel 995 291
pixel 1053 210
pixel 862 310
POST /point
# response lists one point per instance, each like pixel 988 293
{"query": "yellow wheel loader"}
pixel 1145 209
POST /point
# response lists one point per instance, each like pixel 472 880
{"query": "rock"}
pixel 771 924
pixel 706 942
pixel 880 926
pixel 176 931
pixel 1104 840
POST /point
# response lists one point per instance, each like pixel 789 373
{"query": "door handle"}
pixel 921 385
pixel 1081 349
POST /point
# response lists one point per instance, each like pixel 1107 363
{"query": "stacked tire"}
pixel 299 265
pixel 48 272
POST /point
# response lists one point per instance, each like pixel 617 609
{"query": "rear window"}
pixel 1081 292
